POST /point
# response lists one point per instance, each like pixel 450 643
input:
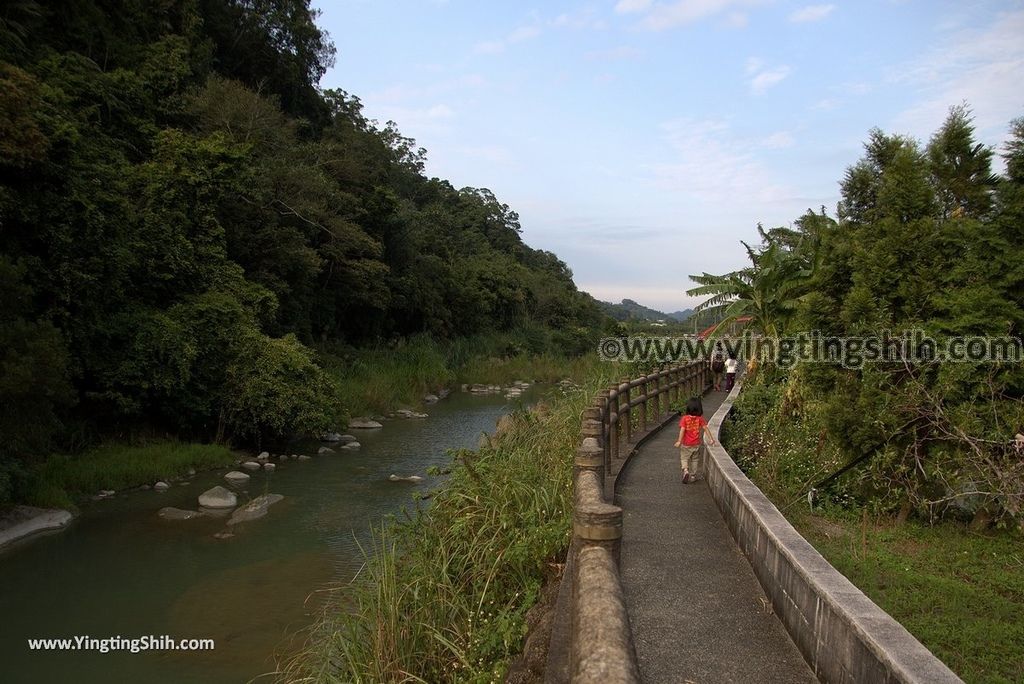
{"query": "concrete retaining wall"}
pixel 843 635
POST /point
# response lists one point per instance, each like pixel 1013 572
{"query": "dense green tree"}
pixel 183 213
pixel 926 241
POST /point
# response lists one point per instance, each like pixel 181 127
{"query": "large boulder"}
pixel 364 424
pixel 218 497
pixel 257 508
pixel 236 477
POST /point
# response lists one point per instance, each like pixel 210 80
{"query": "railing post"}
pixel 677 374
pixel 595 522
pixel 644 388
pixel 614 429
pixel 657 396
pixel 627 409
pixel 590 456
pixel 592 424
pixel 603 405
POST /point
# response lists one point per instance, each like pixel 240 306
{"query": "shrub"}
pixel 275 389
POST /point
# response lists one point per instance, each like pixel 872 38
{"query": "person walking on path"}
pixel 717 366
pixel 730 371
pixel 689 442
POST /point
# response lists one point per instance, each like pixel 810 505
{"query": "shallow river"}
pixel 122 571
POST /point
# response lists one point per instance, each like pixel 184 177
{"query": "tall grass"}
pixel 380 379
pixel 62 479
pixel 444 594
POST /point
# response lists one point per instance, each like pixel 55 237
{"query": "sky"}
pixel 641 140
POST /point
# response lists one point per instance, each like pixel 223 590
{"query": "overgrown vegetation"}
pixel 926 240
pixel 61 481
pixel 907 462
pixel 443 595
pixel 185 215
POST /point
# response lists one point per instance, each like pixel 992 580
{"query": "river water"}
pixel 121 571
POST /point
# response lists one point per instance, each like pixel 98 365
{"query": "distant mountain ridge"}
pixel 628 310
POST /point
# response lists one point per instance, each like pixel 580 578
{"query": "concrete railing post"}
pixel 603 641
pixel 626 410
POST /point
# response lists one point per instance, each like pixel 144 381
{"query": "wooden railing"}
pixel 619 420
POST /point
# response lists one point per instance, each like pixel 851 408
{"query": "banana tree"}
pixel 767 291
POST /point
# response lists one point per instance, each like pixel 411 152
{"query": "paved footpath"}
pixel 696 609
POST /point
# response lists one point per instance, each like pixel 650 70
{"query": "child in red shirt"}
pixel 689 442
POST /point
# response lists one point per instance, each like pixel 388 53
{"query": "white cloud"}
pixel 683 12
pixel 754 64
pixel 416 121
pixel 768 78
pixel 714 166
pixel 518 35
pixel 984 67
pixel 585 18
pixel 778 140
pixel 630 6
pixel 737 20
pixel 493 154
pixel 622 52
pixel 811 13
pixel 523 33
pixel 489 47
pixel 403 92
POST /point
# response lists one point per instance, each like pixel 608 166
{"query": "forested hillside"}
pixel 628 310
pixel 184 215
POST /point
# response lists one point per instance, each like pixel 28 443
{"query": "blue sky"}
pixel 641 140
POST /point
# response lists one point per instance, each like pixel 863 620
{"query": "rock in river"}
pixel 161 486
pixel 364 424
pixel 171 513
pixel 252 465
pixel 236 477
pixel 257 508
pixel 408 478
pixel 218 497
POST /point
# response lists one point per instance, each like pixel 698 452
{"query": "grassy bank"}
pixel 444 594
pixel 380 379
pixel 961 593
pixel 62 480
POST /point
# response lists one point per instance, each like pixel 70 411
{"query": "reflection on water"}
pixel 122 571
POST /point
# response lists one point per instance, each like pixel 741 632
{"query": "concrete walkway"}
pixel 697 612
